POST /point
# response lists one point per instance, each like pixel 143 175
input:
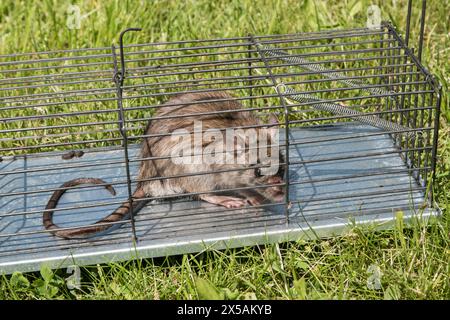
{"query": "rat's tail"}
pixel 121 213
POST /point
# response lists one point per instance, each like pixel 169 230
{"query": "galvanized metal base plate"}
pixel 368 191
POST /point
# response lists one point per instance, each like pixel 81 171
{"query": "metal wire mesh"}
pixel 357 115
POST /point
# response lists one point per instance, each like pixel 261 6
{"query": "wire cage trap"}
pixel 358 122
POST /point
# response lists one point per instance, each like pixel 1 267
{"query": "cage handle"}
pixel 122 58
pixel 119 77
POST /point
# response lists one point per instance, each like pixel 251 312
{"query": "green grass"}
pixel 413 261
pixel 413 264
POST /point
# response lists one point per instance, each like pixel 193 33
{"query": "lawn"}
pixel 407 262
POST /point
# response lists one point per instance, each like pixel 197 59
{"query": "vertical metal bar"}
pixel 404 115
pixel 435 137
pixel 417 139
pixel 409 142
pixel 421 139
pixel 119 77
pixel 408 22
pixel 422 28
pixel 427 139
pixel 390 61
pixel 398 116
pixel 413 104
pixel 381 78
pixel 249 56
pixel 286 124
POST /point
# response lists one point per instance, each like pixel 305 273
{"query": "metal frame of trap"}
pixel 404 128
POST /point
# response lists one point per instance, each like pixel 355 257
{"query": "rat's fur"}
pixel 171 117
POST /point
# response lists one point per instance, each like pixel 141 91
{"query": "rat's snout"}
pixel 275 192
pixel 275 180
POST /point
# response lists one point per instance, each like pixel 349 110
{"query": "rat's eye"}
pixel 258 172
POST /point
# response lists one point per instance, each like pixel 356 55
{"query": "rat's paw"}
pixel 233 203
pixel 225 201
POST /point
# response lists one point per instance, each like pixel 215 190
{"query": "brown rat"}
pixel 215 111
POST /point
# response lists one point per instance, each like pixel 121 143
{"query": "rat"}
pixel 215 111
